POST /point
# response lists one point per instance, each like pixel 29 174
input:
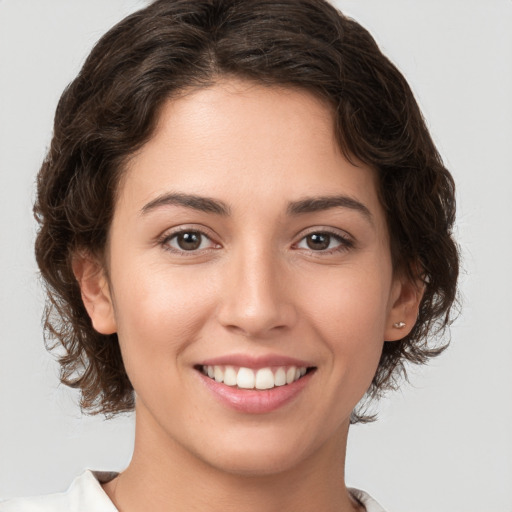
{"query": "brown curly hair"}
pixel 110 110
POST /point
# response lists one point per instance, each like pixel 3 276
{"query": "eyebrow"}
pixel 302 206
pixel 320 203
pixel 203 204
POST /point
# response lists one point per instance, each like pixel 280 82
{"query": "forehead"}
pixel 240 118
pixel 240 139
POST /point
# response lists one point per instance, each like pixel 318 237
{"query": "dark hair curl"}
pixel 110 110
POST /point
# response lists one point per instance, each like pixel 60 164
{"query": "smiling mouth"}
pixel 260 379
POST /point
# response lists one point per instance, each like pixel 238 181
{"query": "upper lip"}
pixel 246 361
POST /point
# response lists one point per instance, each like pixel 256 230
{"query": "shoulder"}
pixel 85 493
pixel 362 497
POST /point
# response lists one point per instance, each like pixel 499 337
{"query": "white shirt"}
pixel 86 495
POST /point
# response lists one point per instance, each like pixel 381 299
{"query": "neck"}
pixel 164 476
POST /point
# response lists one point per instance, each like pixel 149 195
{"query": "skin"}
pixel 253 287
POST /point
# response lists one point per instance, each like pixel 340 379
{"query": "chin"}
pixel 260 455
pixel 258 463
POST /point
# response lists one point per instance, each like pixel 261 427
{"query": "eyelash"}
pixel 165 240
pixel 345 243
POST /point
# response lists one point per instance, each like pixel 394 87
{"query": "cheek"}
pixel 159 312
pixel 349 298
pixel 348 308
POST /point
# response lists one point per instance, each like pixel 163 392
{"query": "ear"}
pixel 96 296
pixel 405 302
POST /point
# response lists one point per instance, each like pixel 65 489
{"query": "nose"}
pixel 257 295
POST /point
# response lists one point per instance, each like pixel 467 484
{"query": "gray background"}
pixel 443 443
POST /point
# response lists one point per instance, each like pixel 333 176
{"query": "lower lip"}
pixel 253 401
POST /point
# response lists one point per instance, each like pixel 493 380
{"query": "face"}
pixel 249 279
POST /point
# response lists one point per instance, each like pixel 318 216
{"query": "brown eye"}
pixel 189 241
pixel 324 242
pixel 318 241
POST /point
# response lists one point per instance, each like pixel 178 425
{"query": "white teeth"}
pixel 264 379
pixel 247 378
pixel 280 377
pixel 230 376
pixel 218 374
pixel 290 375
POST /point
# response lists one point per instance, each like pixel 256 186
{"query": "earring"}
pixel 399 325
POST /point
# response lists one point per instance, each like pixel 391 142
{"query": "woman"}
pixel 245 231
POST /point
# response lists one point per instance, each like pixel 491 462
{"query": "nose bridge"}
pixel 255 299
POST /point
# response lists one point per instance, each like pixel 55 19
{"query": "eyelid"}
pixel 328 230
pixel 170 233
pixel 347 241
